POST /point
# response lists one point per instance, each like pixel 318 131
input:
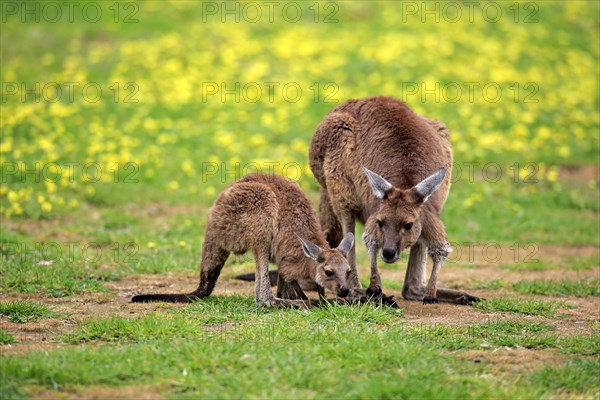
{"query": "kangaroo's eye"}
pixel 380 223
pixel 329 273
pixel 348 273
pixel 408 226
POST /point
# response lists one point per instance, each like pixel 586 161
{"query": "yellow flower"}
pixel 552 175
pixel 257 140
pixel 7 145
pixel 150 124
pixel 225 140
pixel 173 185
pixel 151 245
pixel 543 132
pixel 17 209
pixel 564 151
pixel 182 243
pixel 46 207
pixel 50 187
pixel 188 168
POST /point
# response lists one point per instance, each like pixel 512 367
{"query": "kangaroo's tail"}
pixel 273 276
pixel 170 298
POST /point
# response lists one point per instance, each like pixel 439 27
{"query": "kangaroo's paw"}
pixel 375 295
pixel 388 301
pixel 466 299
pixel 374 292
pixel 430 300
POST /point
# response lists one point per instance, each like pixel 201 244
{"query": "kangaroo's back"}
pixel 296 215
pixel 399 144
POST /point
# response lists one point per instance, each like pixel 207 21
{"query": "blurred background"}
pixel 122 121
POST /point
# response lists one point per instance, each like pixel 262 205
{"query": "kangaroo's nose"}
pixel 343 292
pixel 388 255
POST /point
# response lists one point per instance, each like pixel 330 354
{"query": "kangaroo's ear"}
pixel 428 186
pixel 346 243
pixel 310 249
pixel 380 186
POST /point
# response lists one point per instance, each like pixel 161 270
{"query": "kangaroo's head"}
pixel 396 225
pixel 332 268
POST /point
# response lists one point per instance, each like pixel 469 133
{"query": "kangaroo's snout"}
pixel 389 255
pixel 343 292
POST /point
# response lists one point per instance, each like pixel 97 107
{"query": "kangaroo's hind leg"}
pixel 213 259
pixel 262 286
pixel 329 222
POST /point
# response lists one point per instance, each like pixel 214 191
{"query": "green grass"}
pixel 551 223
pixel 586 345
pixel 488 335
pixel 576 376
pixel 493 284
pixel 546 308
pixel 25 311
pixel 221 315
pixel 574 264
pixel 306 353
pixel 528 266
pixel 7 337
pixel 391 284
pixel 584 263
pixel 60 279
pixel 565 287
pixel 260 368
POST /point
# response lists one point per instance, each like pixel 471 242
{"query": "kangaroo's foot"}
pixel 466 299
pixel 362 296
pixel 463 298
pixel 456 296
pixel 374 292
pixel 430 300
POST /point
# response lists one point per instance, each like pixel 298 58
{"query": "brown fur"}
pixel 384 135
pixel 271 217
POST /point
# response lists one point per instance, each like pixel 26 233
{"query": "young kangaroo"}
pixel 400 205
pixel 270 216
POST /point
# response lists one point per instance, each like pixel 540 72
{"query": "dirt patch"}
pixel 146 392
pixel 506 360
pixel 581 173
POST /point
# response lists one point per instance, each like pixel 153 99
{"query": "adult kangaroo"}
pixel 270 216
pixel 381 164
